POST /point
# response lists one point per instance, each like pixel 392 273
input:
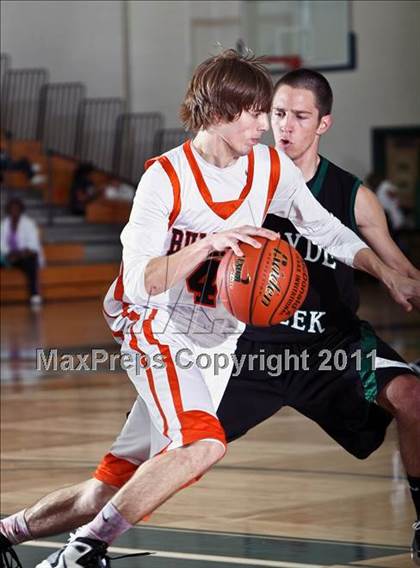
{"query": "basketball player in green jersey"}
pixel 356 404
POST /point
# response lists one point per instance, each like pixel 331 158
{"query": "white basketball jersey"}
pixel 182 198
pixel 205 199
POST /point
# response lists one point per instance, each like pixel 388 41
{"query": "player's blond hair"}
pixel 222 87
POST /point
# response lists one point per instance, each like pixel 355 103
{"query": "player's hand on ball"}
pixel 234 237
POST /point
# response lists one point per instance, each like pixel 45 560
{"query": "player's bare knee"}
pixel 203 454
pixel 414 404
pixel 403 396
pixel 94 494
pixel 214 451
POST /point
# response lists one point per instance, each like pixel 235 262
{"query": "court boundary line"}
pixel 188 556
pixel 400 548
pixel 397 549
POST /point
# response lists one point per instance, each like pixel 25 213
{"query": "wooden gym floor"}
pixel 284 496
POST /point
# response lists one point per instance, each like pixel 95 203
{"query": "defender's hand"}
pixel 405 291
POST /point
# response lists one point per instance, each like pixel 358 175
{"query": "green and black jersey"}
pixel 332 297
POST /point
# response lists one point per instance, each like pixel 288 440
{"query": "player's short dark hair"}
pixel 312 81
pixel 222 87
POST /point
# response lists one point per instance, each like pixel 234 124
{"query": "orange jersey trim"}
pixel 275 169
pixel 176 185
pixel 114 471
pixel 156 399
pixel 134 345
pixel 194 424
pixel 223 209
pixel 169 363
pixel 119 286
pixel 119 294
pixel 198 425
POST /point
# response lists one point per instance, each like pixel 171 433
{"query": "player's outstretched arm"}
pixel 372 224
pixel 295 201
pixel 404 278
pixel 405 291
pixel 163 272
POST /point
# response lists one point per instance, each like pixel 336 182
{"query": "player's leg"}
pixel 70 507
pixel 353 405
pixel 251 395
pixel 180 406
pixel 398 391
pixel 59 511
pixel 248 401
pixel 160 478
pixel 401 397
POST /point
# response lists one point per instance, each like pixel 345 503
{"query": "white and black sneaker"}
pixel 8 556
pixel 415 366
pixel 80 552
pixel 415 546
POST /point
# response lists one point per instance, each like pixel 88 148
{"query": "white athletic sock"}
pixel 106 526
pixel 15 528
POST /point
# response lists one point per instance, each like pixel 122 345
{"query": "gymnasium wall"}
pixel 83 41
pixel 75 40
pixel 384 89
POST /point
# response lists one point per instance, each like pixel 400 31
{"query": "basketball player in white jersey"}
pixel 196 201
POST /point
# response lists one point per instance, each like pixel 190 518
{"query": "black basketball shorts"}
pixel 334 381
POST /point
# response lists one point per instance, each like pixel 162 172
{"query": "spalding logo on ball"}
pixel 266 285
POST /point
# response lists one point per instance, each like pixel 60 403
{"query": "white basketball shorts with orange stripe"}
pixel 176 406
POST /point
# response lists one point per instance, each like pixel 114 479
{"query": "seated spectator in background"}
pixel 82 189
pixel 118 190
pixel 21 165
pixel 21 247
pixel 387 194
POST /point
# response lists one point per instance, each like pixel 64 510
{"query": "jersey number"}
pixel 202 283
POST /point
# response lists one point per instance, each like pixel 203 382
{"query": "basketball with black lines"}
pixel 266 285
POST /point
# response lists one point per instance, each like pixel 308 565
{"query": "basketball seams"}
pixel 291 255
pixel 226 271
pixel 274 291
pixel 255 279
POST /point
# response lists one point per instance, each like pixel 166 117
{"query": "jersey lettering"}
pixel 176 241
pixel 303 320
pixel 293 239
pixel 315 322
pixel 329 261
pixel 202 283
pixel 181 239
pixel 313 253
pixel 191 237
pixel 299 320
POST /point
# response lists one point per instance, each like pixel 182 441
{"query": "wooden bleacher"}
pixel 63 252
pixel 60 282
pixel 108 211
pixel 65 276
pixel 30 149
pixel 61 170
